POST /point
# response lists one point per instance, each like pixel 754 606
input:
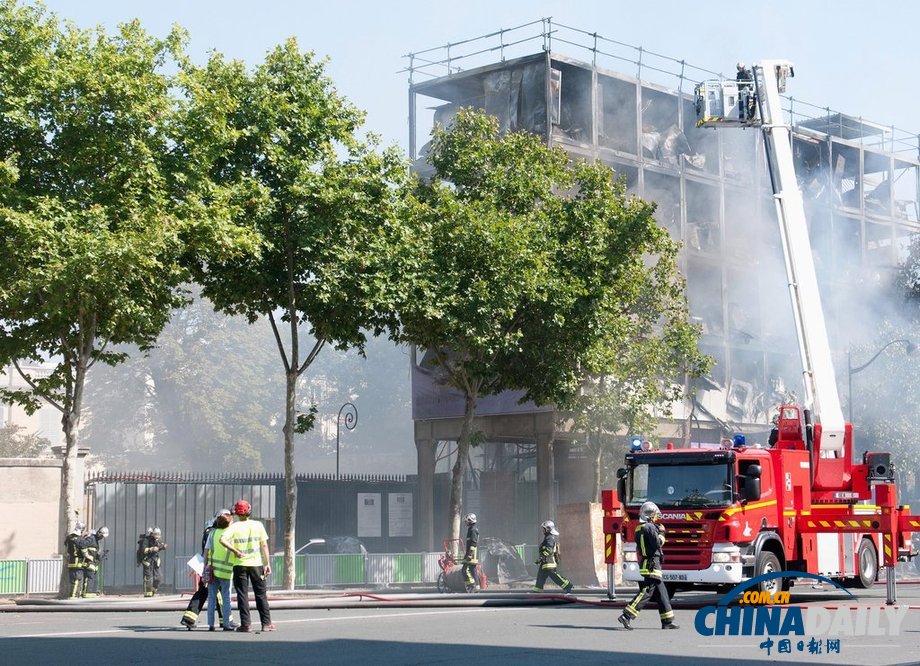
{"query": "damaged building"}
pixel 633 110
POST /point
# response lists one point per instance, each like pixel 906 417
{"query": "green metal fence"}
pixel 13 576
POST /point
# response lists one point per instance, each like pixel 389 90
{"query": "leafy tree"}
pixel 531 273
pixel 98 182
pixel 202 399
pixel 15 444
pixel 323 205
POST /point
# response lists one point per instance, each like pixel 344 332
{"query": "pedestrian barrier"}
pixel 339 570
pixel 13 576
pixel 44 576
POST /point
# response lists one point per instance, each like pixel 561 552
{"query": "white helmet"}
pixel 470 519
pixel 156 532
pixel 78 527
pixel 740 66
pixel 102 532
pixel 648 511
pixel 549 527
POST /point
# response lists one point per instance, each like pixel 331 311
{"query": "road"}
pixel 583 631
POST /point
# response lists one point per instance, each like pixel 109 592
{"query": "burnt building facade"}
pixel 634 110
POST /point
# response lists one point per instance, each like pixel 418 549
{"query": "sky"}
pixel 858 58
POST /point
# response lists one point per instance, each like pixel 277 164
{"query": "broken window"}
pixel 575 107
pixel 617 125
pixel 664 190
pixel 703 217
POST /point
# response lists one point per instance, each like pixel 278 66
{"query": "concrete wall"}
pixel 30 503
pixel 581 530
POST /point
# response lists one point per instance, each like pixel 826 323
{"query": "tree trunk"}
pixel 290 480
pixel 69 512
pixel 70 422
pixel 456 478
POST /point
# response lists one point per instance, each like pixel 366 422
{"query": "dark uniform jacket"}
pixel 472 544
pixel 549 552
pixel 73 543
pixel 649 541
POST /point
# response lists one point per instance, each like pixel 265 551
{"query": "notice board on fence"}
pixel 369 515
pixel 399 514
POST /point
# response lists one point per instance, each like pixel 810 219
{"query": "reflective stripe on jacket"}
pixel 648 545
pixel 549 549
pixel 247 536
pixel 221 558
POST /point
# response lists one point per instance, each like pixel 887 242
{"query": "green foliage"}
pixel 536 274
pixel 16 444
pixel 318 202
pixel 306 421
pixel 94 200
pixel 319 206
pixel 533 274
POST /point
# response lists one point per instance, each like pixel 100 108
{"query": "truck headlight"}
pixel 630 556
pixel 725 558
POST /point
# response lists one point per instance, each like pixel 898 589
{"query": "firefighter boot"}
pixel 189 619
pixel 624 620
pixel 669 625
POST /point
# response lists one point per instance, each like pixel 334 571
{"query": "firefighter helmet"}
pixel 740 66
pixel 549 527
pixel 648 512
pixel 242 508
pixel 102 532
pixel 470 519
pixel 222 512
pixel 156 532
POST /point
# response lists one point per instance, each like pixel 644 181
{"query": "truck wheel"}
pixel 442 583
pixel 766 563
pixel 867 561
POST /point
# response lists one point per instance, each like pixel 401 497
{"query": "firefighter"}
pixel 150 560
pixel 549 560
pixel 197 602
pixel 73 547
pixel 471 557
pixel 93 554
pixel 745 92
pixel 649 540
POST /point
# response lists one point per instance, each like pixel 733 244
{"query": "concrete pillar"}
pixel 546 476
pixel 425 450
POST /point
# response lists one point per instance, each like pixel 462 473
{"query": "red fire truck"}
pixel 800 503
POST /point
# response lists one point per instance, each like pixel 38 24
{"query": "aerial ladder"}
pixel 806 494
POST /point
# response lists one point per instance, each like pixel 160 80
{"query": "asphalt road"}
pixel 389 631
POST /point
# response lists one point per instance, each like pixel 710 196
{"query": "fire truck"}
pixel 800 503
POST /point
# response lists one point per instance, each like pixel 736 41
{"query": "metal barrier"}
pixel 338 570
pixel 44 576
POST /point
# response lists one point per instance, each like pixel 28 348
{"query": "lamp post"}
pixel 351 420
pixel 910 348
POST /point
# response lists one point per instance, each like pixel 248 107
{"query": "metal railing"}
pixel 649 66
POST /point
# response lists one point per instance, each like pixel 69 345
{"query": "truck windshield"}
pixel 685 485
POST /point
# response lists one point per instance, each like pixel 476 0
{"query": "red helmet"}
pixel 242 508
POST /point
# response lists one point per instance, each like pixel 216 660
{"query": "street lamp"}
pixel 910 348
pixel 351 420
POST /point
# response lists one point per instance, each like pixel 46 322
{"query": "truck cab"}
pixel 717 507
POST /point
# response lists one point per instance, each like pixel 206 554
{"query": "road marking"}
pixel 71 633
pixel 388 615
